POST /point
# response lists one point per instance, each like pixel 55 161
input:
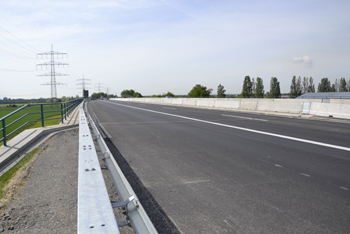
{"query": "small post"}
pixel 65 112
pixel 62 112
pixel 4 131
pixel 42 115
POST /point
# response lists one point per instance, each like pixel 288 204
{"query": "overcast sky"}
pixel 171 45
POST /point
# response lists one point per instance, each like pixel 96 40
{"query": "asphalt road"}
pixel 214 171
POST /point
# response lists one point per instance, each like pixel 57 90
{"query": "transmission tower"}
pixel 99 86
pixel 83 83
pixel 53 74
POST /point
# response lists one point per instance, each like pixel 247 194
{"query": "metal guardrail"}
pixel 95 212
pixel 136 214
pixel 65 110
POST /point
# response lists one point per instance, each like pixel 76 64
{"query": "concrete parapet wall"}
pixel 205 102
pixel 328 109
pixel 227 103
pixel 337 107
pixel 340 101
pixel 249 104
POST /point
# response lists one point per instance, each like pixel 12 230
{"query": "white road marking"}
pixel 305 175
pixel 169 108
pixel 344 188
pixel 245 129
pixel 241 117
pixel 277 165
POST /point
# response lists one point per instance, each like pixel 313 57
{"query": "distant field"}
pixel 31 117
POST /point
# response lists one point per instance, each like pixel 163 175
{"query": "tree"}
pixel 221 91
pixel 295 87
pixel 168 94
pixel 127 93
pixel 305 86
pixel 200 91
pixel 130 93
pixel 98 95
pixel 311 88
pixel 275 91
pixel 324 86
pixel 348 85
pixel 342 85
pixel 333 89
pixel 247 87
pixel 259 88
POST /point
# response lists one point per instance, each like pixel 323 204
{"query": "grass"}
pixel 7 176
pixel 32 117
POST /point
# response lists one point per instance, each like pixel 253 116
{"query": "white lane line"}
pixel 305 175
pixel 245 129
pixel 169 108
pixel 241 117
pixel 277 165
pixel 344 188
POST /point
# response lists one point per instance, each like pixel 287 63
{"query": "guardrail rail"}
pixel 135 212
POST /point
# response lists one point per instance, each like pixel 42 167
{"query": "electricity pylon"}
pixel 53 74
pixel 83 83
pixel 99 86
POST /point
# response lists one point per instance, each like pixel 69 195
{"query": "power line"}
pixel 35 50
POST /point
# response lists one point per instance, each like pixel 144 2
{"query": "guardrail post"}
pixel 62 112
pixel 4 131
pixel 65 111
pixel 42 115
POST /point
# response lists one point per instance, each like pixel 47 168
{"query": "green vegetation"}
pixel 101 94
pixel 221 91
pixel 168 94
pixel 7 176
pixel 199 91
pixel 56 108
pixel 130 93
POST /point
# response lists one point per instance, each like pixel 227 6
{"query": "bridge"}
pixel 216 169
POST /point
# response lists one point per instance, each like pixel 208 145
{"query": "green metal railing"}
pixel 65 110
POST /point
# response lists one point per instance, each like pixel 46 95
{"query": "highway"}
pixel 216 171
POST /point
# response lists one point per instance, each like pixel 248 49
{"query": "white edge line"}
pixel 245 129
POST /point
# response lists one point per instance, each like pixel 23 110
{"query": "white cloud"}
pixel 303 60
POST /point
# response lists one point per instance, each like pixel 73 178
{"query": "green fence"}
pixel 12 122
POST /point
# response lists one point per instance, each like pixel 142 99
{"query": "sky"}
pixel 170 45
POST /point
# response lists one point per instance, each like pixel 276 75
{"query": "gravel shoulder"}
pixel 42 197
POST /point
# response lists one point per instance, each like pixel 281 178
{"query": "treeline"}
pixel 254 88
pixel 101 94
pixel 6 100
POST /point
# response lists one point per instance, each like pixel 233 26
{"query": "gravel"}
pixel 45 199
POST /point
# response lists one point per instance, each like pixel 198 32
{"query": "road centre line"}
pixel 241 117
pixel 245 129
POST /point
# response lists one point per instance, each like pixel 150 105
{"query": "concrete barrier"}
pixel 205 102
pixel 265 105
pixel 176 101
pixel 340 101
pixel 189 101
pixel 330 110
pixel 249 104
pixel 288 106
pixel 337 108
pixel 227 103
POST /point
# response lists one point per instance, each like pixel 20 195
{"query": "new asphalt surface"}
pixel 215 171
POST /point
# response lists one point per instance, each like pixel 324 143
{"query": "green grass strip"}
pixel 7 176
